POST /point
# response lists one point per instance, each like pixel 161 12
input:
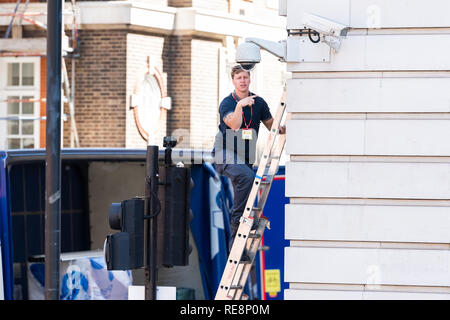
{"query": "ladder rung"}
pixel 254 236
pixel 256 209
pixel 236 287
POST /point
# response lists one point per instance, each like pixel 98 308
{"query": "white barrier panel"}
pixel 162 293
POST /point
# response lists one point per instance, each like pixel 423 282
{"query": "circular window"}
pixel 147 109
pixel 150 107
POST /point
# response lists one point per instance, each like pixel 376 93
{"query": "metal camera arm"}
pixel 278 49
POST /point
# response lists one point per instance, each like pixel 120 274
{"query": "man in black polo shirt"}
pixel 234 149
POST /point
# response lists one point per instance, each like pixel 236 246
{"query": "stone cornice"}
pixel 160 19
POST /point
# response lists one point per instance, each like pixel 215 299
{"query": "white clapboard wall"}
pixel 368 142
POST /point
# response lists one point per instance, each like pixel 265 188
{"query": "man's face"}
pixel 241 81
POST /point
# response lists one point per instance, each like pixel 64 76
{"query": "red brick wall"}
pixel 100 91
pixel 110 64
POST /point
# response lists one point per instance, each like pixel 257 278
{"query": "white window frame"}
pixel 7 91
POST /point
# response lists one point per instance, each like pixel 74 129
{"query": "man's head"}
pixel 241 79
pixel 238 69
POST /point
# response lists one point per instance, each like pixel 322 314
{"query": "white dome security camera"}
pixel 248 55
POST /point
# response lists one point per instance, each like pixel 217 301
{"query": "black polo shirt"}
pixel 251 119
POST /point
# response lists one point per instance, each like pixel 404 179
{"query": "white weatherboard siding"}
pixel 369 168
pixel 292 294
pixel 310 136
pixel 368 266
pixel 359 222
pixel 386 52
pixel 372 13
pixel 376 136
pixel 370 92
pixel 358 179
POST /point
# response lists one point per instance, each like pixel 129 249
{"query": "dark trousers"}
pixel 242 177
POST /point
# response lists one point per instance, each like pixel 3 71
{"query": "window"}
pixel 149 110
pixel 20 74
pixel 19 103
pixel 20 130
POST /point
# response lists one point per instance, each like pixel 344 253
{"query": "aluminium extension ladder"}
pixel 252 223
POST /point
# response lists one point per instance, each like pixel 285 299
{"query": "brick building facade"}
pixel 151 68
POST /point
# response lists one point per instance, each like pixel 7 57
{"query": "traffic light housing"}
pixel 125 250
pixel 177 216
pixel 164 213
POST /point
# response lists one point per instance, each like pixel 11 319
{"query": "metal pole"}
pixel 151 227
pixel 53 151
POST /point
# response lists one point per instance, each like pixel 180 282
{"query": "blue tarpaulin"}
pixel 211 200
pixel 5 236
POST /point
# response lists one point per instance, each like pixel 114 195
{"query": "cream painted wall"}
pixel 369 165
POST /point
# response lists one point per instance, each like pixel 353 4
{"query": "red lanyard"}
pixel 243 116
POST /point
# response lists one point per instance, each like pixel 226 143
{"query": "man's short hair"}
pixel 237 69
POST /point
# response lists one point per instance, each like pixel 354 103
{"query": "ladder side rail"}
pixel 250 245
pixel 241 237
pixel 271 174
pixel 236 282
pixel 237 249
pixel 239 281
pixel 243 233
pixel 233 261
pixel 252 249
pixel 271 140
pixel 264 160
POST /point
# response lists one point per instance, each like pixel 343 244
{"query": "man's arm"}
pixel 268 123
pixel 234 119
